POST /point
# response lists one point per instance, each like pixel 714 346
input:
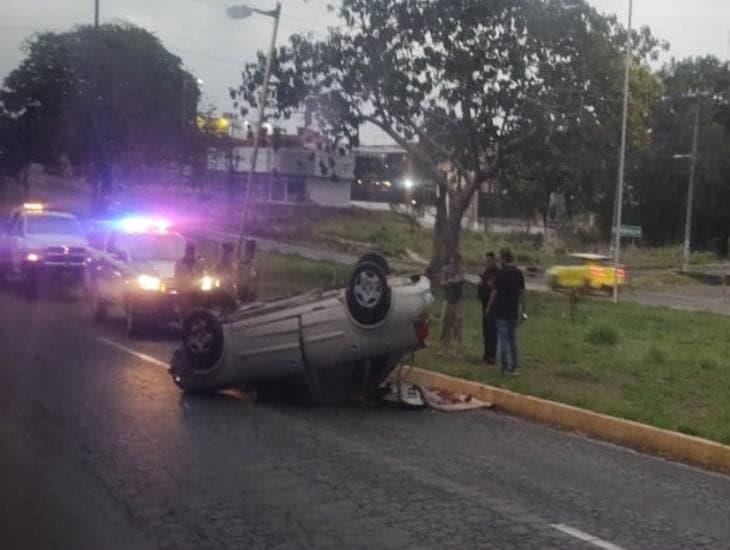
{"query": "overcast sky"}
pixel 214 47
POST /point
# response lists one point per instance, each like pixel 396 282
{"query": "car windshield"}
pixel 156 247
pixel 42 224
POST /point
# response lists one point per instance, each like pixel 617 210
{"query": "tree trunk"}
pixel 447 230
pixel 438 253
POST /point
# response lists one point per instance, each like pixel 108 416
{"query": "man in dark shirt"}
pixel 489 322
pixel 505 302
pixel 452 283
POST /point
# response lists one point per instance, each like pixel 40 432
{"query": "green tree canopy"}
pixel 461 86
pixel 112 97
pixel 660 185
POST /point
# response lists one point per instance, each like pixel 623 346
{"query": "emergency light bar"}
pixel 140 224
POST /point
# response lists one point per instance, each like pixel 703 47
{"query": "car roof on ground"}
pixel 589 256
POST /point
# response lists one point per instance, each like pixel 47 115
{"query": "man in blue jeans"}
pixel 505 303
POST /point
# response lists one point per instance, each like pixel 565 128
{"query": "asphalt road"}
pixel 100 450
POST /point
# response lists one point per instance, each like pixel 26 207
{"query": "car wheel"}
pixel 376 258
pixel 202 336
pixel 98 306
pixel 368 294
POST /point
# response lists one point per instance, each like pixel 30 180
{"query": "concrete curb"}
pixel 694 450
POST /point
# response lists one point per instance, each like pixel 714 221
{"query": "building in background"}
pixel 291 168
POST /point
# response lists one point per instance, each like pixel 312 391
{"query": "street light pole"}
pixel 96 14
pixel 622 158
pixel 238 12
pixel 691 187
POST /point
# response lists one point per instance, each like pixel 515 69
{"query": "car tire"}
pixel 202 339
pixel 376 258
pixel 368 295
pixel 98 306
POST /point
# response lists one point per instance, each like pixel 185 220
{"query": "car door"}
pixel 116 269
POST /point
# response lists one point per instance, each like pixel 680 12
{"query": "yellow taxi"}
pixel 588 272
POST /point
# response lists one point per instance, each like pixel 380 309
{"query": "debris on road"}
pixel 413 395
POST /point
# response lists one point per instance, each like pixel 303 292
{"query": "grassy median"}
pixel 666 368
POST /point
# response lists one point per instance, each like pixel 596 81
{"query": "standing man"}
pixel 489 323
pixel 248 273
pixel 452 283
pixel 507 304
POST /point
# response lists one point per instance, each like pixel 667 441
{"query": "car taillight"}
pixel 421 331
pixel 597 271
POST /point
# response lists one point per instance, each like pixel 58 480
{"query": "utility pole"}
pixel 691 186
pixel 240 12
pixel 622 158
pixel 96 14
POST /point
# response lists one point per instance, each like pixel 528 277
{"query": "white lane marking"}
pixel 585 537
pixel 138 355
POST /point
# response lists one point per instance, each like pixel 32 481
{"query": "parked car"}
pixel 588 272
pixel 346 340
pixel 43 245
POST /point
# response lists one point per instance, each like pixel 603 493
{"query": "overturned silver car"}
pixel 323 345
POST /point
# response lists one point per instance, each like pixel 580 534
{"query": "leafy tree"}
pixel 106 98
pixel 660 190
pixel 461 86
pixel 581 160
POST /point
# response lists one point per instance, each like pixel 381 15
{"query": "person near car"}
pixel 452 284
pixel 187 275
pixel 248 273
pixel 489 324
pixel 507 304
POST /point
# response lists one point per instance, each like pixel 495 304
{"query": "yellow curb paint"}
pixel 685 448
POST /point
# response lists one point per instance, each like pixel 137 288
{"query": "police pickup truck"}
pixel 133 270
pixel 39 244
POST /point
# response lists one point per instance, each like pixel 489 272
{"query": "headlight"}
pixel 208 283
pixel 148 282
pixel 33 257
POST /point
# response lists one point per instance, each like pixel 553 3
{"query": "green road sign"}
pixel 629 231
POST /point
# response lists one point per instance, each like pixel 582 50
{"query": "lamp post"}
pixel 691 185
pixel 622 158
pixel 241 12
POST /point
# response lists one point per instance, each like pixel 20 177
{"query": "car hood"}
pixel 43 240
pixel 165 269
